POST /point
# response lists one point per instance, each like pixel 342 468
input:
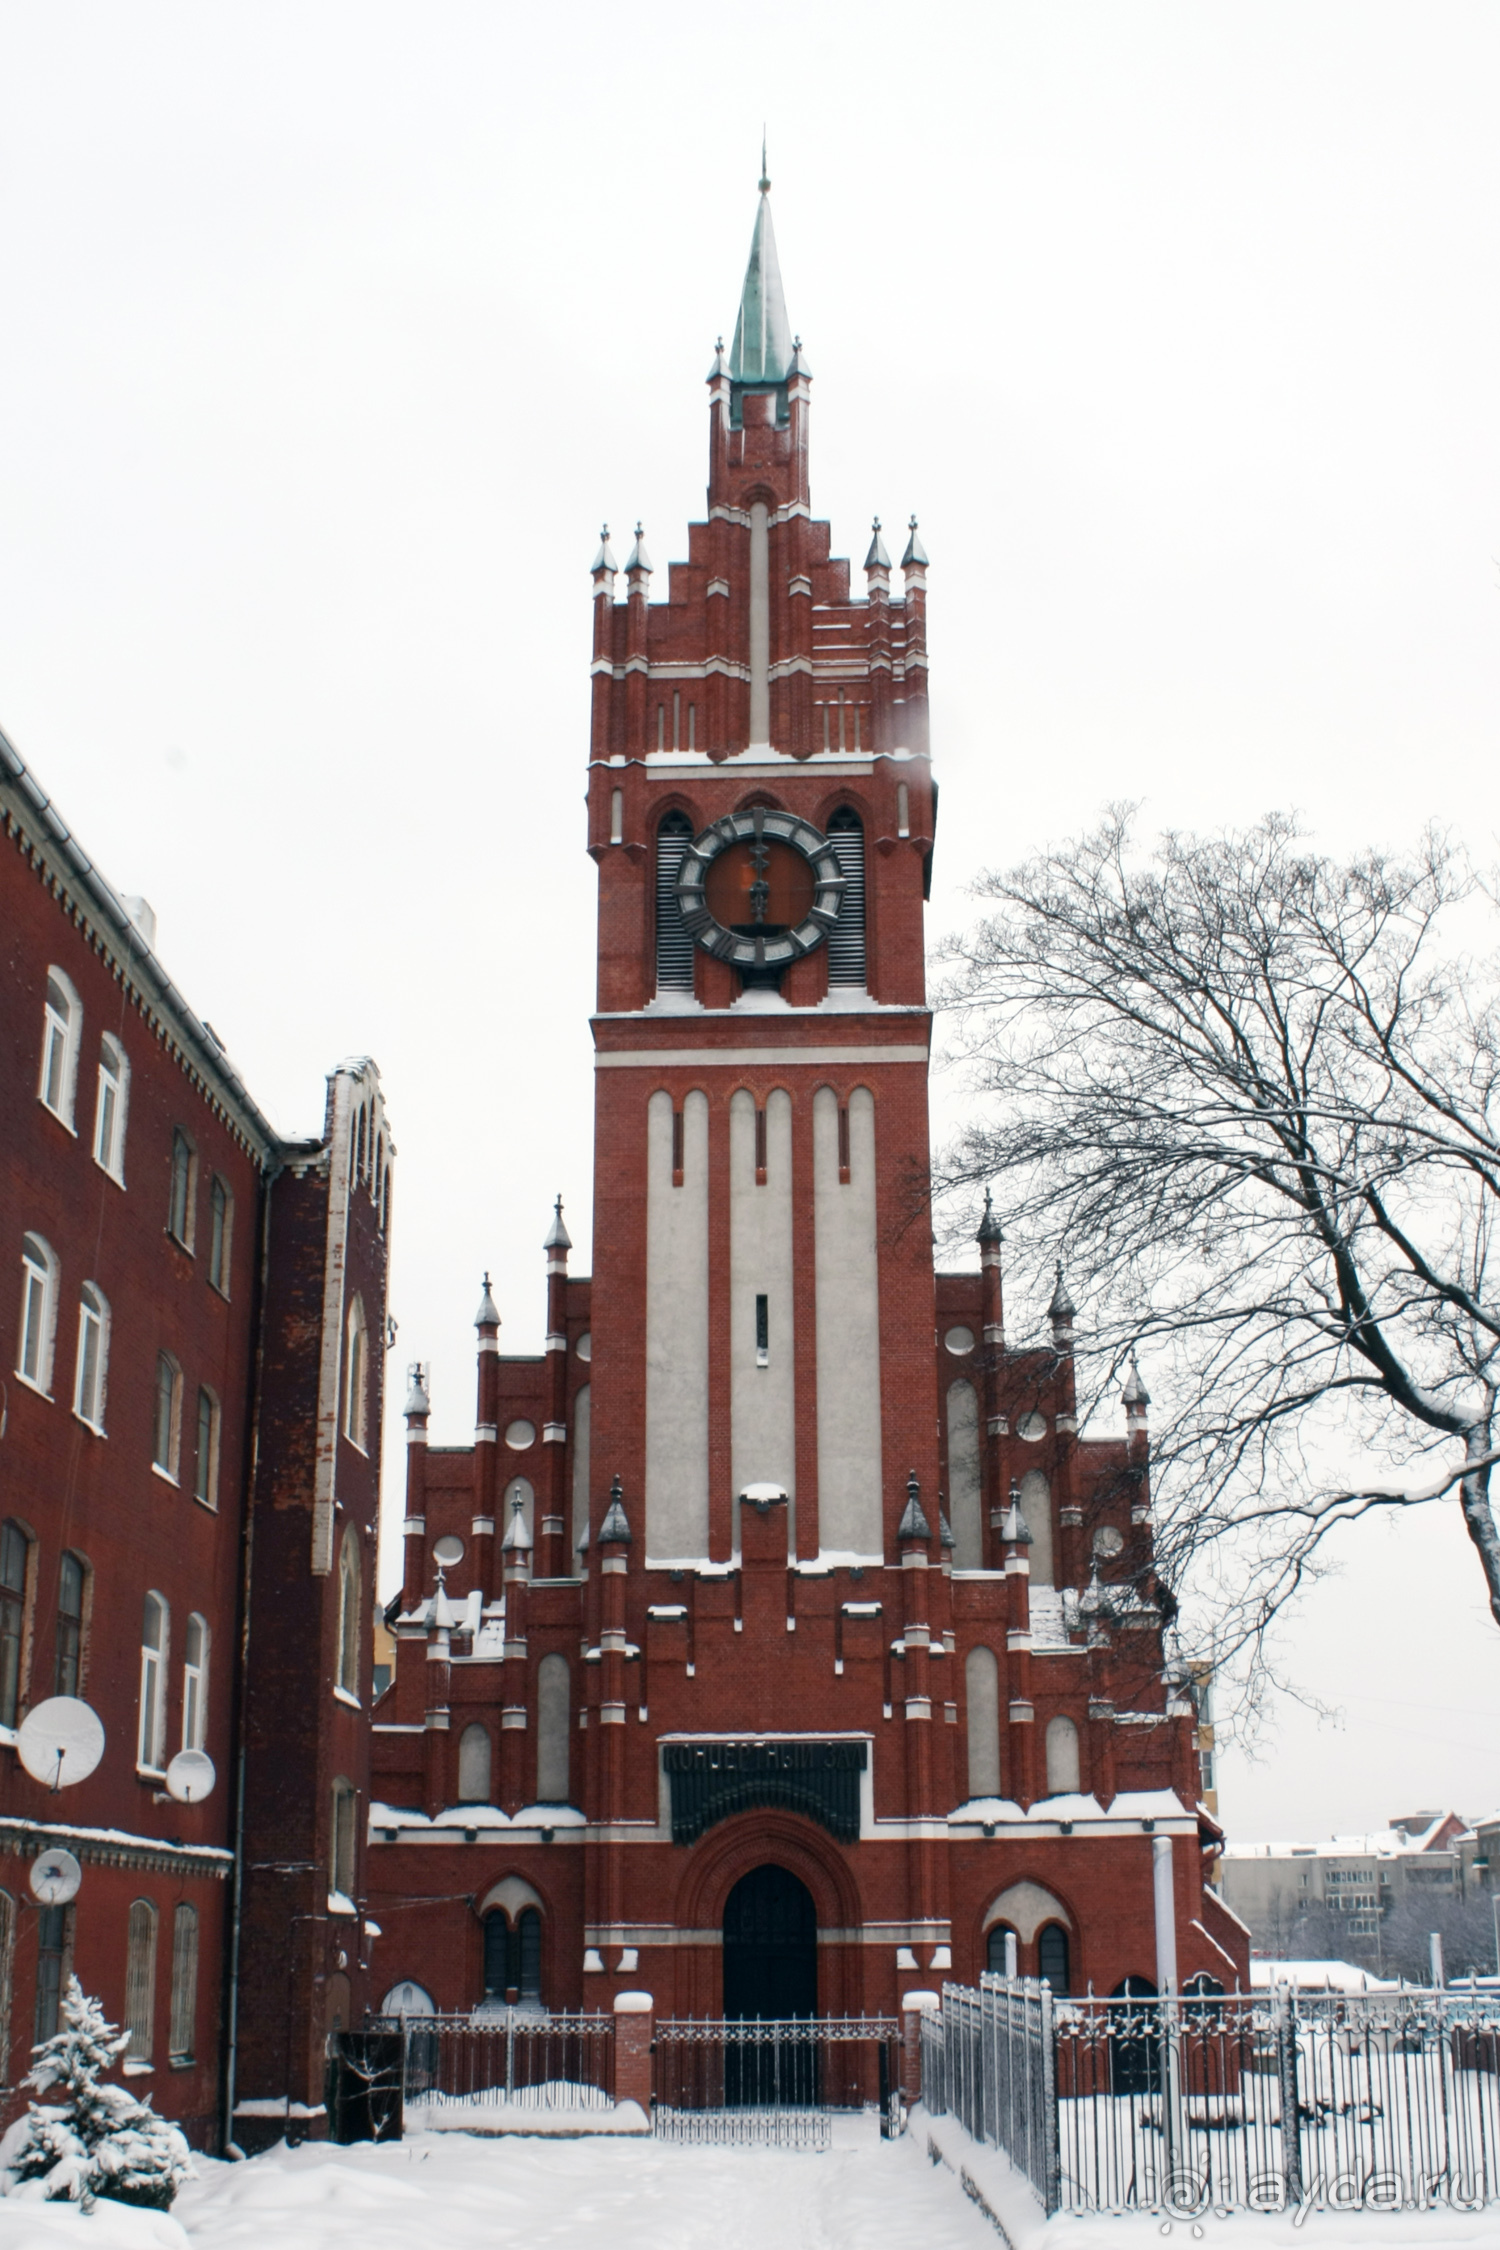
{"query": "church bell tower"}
pixel 761 811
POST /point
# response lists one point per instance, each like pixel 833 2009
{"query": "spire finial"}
pixel 762 348
pixel 765 178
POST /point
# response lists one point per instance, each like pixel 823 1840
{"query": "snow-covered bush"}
pixel 85 2139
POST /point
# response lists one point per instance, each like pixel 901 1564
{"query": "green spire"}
pixel 762 350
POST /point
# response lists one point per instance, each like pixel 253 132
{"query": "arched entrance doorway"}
pixel 770 1946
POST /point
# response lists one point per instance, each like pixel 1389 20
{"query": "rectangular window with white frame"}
pixel 183 1194
pixel 220 1235
pixel 195 1683
pixel 206 1457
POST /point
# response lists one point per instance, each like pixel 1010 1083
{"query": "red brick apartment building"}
pixel 779 1645
pixel 191 1354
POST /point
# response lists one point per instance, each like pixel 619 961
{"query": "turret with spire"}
pixel 552 1549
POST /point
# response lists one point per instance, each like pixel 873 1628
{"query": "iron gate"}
pixel 775 2083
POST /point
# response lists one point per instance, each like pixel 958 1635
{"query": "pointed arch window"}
pixel 62 1028
pixel 341 1876
pixel 674 945
pixel 347 1673
pixel 846 940
pixel 93 1357
pixel 110 1105
pixel 356 1374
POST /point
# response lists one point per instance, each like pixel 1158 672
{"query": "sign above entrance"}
pixel 711 1780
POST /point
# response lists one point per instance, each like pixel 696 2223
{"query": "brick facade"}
pixel 223 1269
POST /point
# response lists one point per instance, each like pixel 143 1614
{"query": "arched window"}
pixel 151 1740
pixel 38 1313
pixel 1062 1758
pixel 62 1025
pixel 1036 1506
pixel 166 1421
pixel 674 945
pixel 994 1949
pixel 553 1729
pixel 195 1683
pixel 110 1106
pixel 72 1588
pixel 220 1234
pixel 54 1951
pixel 356 1374
pixel 140 1980
pixel 92 1365
pixel 1052 1956
pixel 341 1857
pixel 846 940
pixel 347 1674
pixel 180 2038
pixel 206 1455
pixel 182 1198
pixel 408 1999
pixel 513 1956
pixel 982 1716
pixel 474 1766
pixel 15 1604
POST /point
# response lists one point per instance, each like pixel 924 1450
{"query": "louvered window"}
pixel 846 940
pixel 674 947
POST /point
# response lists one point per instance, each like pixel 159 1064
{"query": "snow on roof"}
pixel 1317 1976
pixel 1385 1843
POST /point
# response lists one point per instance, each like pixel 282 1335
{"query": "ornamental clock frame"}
pixel 771 836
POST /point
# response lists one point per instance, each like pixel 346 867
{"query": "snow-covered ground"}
pixel 864 2194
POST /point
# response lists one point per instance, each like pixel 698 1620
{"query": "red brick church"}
pixel 779 1645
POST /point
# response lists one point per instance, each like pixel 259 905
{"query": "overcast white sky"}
pixel 331 333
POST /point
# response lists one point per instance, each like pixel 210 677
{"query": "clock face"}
pixel 760 888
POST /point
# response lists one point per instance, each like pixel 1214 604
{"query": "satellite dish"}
pixel 61 1741
pixel 190 1776
pixel 55 1875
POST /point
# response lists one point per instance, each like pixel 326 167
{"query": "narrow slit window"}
pixel 676 718
pixel 661 726
pixel 674 945
pixel 206 1461
pixel 846 940
pixel 760 1148
pixel 903 809
pixel 762 1331
pixel 677 1148
pixel 692 726
pixel 617 816
pixel 844 1167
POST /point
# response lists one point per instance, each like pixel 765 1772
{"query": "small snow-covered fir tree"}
pixel 88 2139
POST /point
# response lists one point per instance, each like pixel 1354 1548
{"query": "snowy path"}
pixel 863 2194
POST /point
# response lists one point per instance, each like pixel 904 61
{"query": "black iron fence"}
pixel 1365 2101
pixel 463 2070
pixel 774 2082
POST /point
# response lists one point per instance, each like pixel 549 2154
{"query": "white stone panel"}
pixel 982 1717
pixel 677 1332
pixel 553 1729
pixel 580 1472
pixel 762 1399
pixel 848 1327
pixel 1036 1507
pixel 965 1512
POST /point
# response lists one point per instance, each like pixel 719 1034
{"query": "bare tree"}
pixel 1249 1096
